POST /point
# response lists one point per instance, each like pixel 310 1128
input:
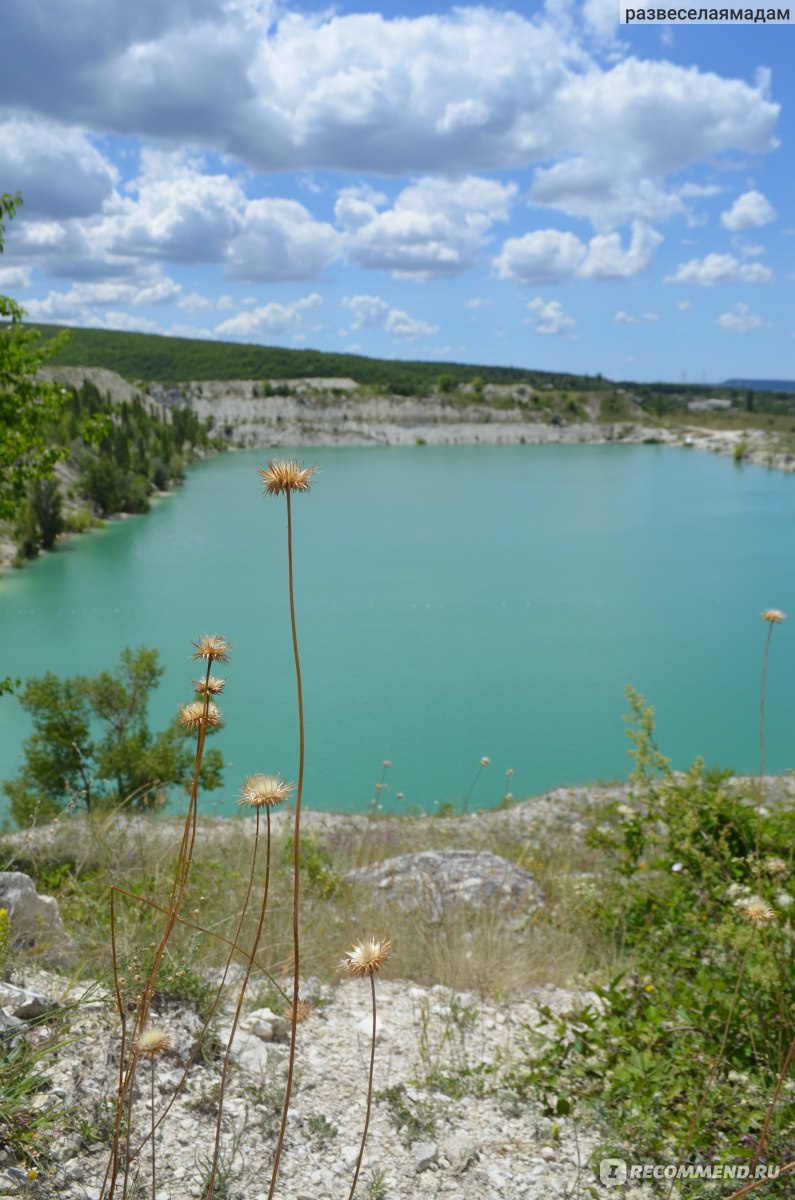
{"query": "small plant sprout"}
pixel 366 959
pixel 284 478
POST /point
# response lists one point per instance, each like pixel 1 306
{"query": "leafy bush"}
pixel 696 894
pixel 91 744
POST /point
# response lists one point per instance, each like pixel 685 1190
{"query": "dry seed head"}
pixel 302 1011
pixel 757 911
pixel 367 957
pixel 286 476
pixel 774 615
pixel 386 763
pixel 484 762
pixel 153 1041
pixel 192 715
pixel 210 686
pixel 775 866
pixel 265 791
pixel 212 647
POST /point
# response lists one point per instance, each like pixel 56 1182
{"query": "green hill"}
pixel 147 358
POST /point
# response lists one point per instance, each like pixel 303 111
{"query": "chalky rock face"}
pixel 441 880
pixel 36 924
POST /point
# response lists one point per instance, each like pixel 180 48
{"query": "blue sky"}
pixel 535 186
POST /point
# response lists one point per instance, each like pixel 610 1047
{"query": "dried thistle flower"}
pixel 210 686
pixel 265 791
pixel 367 957
pixel 386 763
pixel 775 866
pixel 484 762
pixel 302 1011
pixel 192 715
pixel 153 1041
pixel 757 911
pixel 286 475
pixel 212 647
pixel 774 615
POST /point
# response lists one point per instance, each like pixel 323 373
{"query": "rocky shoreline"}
pixel 330 412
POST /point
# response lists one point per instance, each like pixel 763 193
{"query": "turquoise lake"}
pixel 453 602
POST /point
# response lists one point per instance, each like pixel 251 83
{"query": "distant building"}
pixel 708 405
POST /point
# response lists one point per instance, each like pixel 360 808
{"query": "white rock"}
pixel 266 1024
pixel 35 920
pixel 425 1155
pixel 365 1026
pixel 22 1002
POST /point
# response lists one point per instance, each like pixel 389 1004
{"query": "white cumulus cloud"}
pixel 272 318
pixel 740 320
pixel 715 269
pixel 545 256
pixel 281 240
pixel 435 226
pixel 551 256
pixel 372 312
pixel 474 88
pixel 86 299
pixel 752 210
pixel 550 317
pixel 606 258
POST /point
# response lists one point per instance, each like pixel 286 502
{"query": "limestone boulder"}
pixel 36 923
pixel 441 880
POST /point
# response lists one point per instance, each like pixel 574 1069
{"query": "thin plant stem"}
pixel 296 864
pixel 762 1141
pixel 757 1183
pixel 761 797
pixel 233 946
pixel 152 1098
pixel 112 1169
pixel 175 901
pixel 239 1008
pixel 369 1095
pixel 691 1130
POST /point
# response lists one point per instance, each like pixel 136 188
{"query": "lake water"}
pixel 453 602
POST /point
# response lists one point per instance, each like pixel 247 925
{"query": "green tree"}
pixel 91 744
pixel 28 405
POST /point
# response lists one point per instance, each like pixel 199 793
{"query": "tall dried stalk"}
pixel 288 477
pixel 199 715
pixel 260 791
pixel 773 616
pixel 366 958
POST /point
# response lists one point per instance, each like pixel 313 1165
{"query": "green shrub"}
pixel 704 1005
